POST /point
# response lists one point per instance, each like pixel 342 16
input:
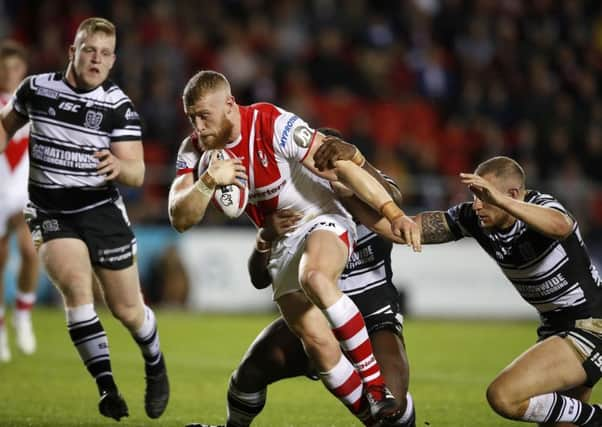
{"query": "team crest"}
pixel 262 158
pixel 93 119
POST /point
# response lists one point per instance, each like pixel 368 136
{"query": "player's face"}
pixel 209 117
pixel 92 56
pixel 12 71
pixel 491 216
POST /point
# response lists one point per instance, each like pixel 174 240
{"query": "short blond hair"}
pixel 201 83
pixel 95 25
pixel 502 167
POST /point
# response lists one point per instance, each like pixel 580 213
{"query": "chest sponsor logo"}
pixel 69 106
pixel 93 119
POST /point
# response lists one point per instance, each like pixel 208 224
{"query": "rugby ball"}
pixel 228 199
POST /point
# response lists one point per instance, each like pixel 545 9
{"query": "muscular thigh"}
pixel 120 287
pixel 548 366
pixel 326 252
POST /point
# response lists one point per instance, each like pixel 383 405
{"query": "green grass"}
pixel 451 364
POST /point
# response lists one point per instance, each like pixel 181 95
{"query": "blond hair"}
pixel 94 25
pixel 203 82
pixel 502 167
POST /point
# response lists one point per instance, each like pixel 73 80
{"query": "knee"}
pixel 501 400
pixel 130 315
pixel 315 283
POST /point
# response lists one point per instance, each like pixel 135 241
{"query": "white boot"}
pixel 4 350
pixel 26 340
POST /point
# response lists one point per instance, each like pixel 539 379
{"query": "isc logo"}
pixel 69 106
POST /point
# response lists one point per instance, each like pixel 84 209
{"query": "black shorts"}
pixel 380 308
pixel 104 229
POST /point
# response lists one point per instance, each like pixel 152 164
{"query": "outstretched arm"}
pixel 548 221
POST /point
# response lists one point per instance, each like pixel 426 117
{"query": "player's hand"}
pixel 331 150
pixel 279 223
pixel 482 189
pixel 405 228
pixel 226 172
pixel 108 166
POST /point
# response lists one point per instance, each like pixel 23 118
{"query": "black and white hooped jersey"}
pixel 368 272
pixel 556 277
pixel 68 125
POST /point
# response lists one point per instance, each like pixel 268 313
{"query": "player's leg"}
pixel 5 355
pixel 323 260
pixel 122 293
pixel 66 261
pixel 26 286
pixel 582 393
pixel 275 354
pixel 335 370
pixel 529 388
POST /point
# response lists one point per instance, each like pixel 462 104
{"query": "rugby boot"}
pixel 25 338
pixel 382 402
pixel 4 349
pixel 395 420
pixel 204 425
pixel 156 394
pixel 112 405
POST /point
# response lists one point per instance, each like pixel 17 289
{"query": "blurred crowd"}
pixel 426 88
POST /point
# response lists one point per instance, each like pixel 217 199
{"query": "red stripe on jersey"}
pixel 15 151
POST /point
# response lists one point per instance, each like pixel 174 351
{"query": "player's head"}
pixel 330 132
pixel 508 177
pixel 92 54
pixel 210 107
pixel 13 65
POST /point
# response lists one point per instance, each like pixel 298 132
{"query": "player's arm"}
pixel 368 189
pixel 188 199
pixel 10 122
pixel 124 163
pixel 548 221
pixel 276 225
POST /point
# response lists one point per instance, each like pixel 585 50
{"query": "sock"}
pixel 243 407
pixel 408 414
pixel 23 304
pixel 554 407
pixel 91 342
pixel 348 326
pixel 147 338
pixel 345 383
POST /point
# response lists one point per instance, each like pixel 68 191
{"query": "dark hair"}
pixel 330 132
pixel 502 167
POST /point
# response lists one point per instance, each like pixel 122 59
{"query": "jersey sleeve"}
pixel 293 137
pixel 126 123
pixel 461 219
pixel 188 157
pixel 21 97
pixel 548 201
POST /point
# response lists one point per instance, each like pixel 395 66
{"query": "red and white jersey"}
pixel 14 162
pixel 272 145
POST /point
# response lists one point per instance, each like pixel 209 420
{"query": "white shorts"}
pixel 286 253
pixel 13 192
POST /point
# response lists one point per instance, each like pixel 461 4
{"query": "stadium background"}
pixel 426 88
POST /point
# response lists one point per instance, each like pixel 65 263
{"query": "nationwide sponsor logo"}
pixel 131 114
pixel 93 119
pixel 70 159
pixel 287 130
pixel 548 287
pixel 47 93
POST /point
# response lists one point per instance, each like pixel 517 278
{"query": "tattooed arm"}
pixel 434 228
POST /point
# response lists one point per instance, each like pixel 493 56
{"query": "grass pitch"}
pixel 451 364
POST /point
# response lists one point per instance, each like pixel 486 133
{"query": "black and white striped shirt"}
pixel 556 277
pixel 367 277
pixel 68 125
